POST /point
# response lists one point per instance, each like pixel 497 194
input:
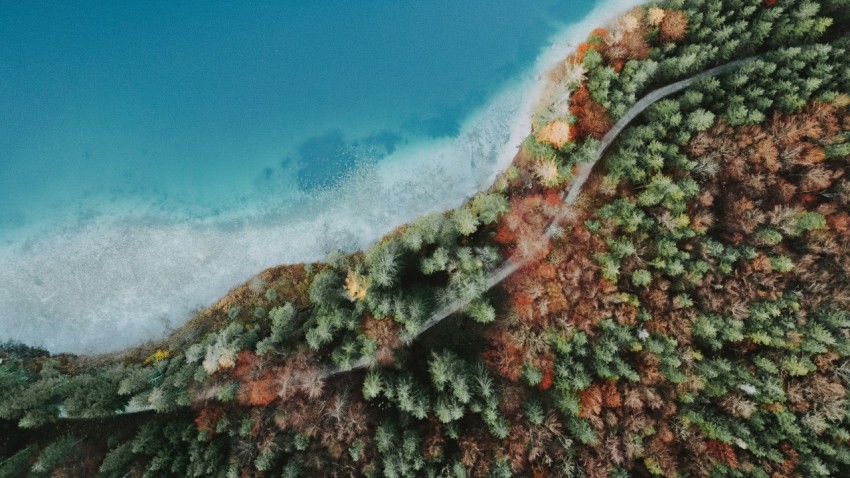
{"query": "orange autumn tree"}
pixel 259 385
pixel 591 118
pixel 556 133
pixel 673 27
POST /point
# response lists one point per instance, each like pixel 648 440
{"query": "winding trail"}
pixel 570 196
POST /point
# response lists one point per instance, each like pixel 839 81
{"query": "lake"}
pixel 155 155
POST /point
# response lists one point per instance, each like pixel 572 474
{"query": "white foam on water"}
pixel 115 281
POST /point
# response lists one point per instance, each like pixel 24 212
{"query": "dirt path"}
pixel 569 197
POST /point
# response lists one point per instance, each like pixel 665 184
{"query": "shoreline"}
pixel 561 45
pixel 217 258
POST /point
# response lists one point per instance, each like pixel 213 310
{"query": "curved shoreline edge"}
pixel 676 297
pixel 113 281
pixel 569 197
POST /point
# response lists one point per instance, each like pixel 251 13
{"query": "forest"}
pixel 675 303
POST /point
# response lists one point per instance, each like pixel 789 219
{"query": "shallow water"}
pixel 152 157
pixel 200 109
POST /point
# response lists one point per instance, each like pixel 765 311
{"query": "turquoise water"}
pixel 198 108
pixel 153 155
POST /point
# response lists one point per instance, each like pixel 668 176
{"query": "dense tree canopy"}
pixel 689 316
